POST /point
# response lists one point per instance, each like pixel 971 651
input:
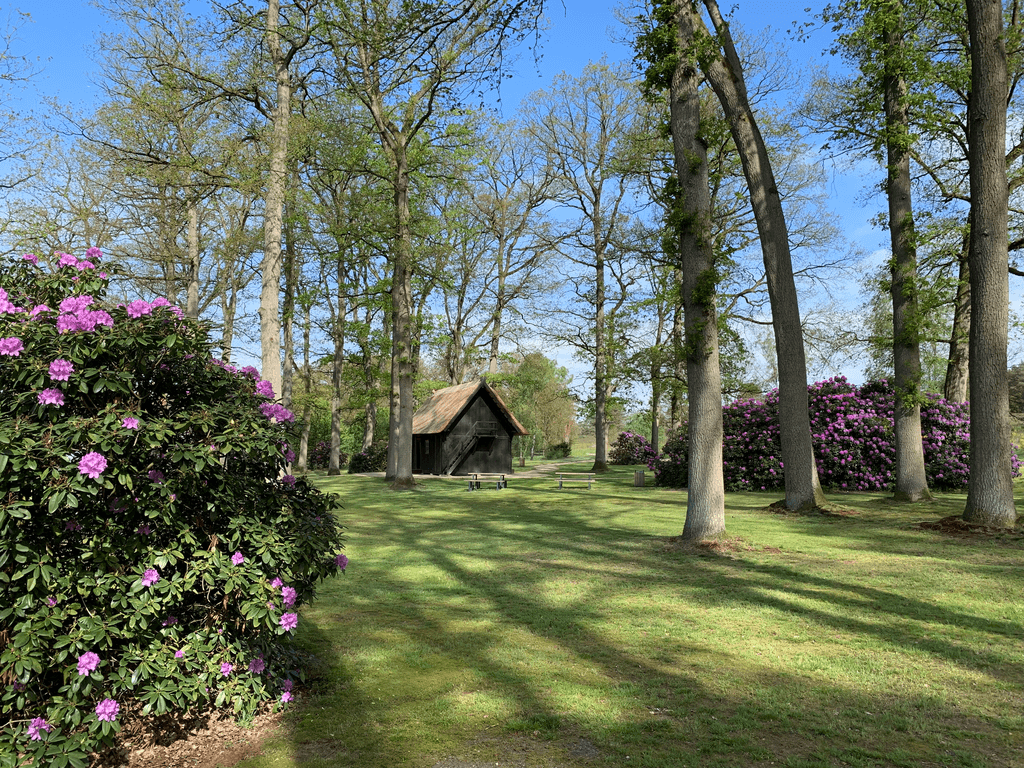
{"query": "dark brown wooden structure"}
pixel 463 430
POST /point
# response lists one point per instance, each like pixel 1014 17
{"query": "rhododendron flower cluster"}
pixel 631 448
pixel 852 434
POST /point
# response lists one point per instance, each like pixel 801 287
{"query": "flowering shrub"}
pixel 852 431
pixel 147 537
pixel 320 456
pixel 373 460
pixel 631 448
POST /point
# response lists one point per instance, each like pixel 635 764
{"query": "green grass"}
pixel 538 627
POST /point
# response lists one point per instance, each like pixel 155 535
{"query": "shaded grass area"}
pixel 539 627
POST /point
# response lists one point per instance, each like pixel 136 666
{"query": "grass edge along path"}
pixel 541 627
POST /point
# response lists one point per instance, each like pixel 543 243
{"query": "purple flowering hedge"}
pixel 153 555
pixel 852 429
pixel 631 448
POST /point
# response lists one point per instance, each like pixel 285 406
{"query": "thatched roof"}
pixel 442 409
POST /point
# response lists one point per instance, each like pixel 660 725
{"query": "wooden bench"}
pixel 577 477
pixel 498 480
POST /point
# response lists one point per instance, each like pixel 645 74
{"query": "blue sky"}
pixel 60 39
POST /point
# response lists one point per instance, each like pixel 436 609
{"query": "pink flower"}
pixel 107 710
pixel 265 388
pixel 38 724
pixel 341 561
pixel 276 582
pixel 67 260
pixel 276 412
pixel 150 577
pixel 75 304
pixel 288 594
pixel 39 308
pixel 84 265
pixel 145 530
pixel 179 654
pixel 12 347
pixel 50 397
pixel 94 253
pixel 156 476
pixel 31 257
pixel 286 697
pixel 238 558
pixel 257 665
pixel 87 662
pixel 61 370
pixel 130 422
pixel 289 621
pixel 288 480
pixel 225 668
pixel 51 601
pixel 170 621
pixel 92 464
pixel 287 685
pixel 138 308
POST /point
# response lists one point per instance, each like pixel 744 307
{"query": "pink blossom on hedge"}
pixel 61 370
pixel 138 308
pixel 288 594
pixel 276 412
pixel 84 265
pixel 288 480
pixel 67 260
pixel 107 710
pixel 130 422
pixel 341 561
pixel 287 685
pixel 226 668
pixel 150 577
pixel 257 665
pixel 276 583
pixel 38 309
pixel 11 346
pixel 286 697
pixel 238 558
pixel 38 724
pixel 289 621
pixel 31 257
pixel 88 662
pixel 251 371
pixel 75 304
pixel 50 397
pixel 93 253
pixel 265 388
pixel 92 464
pixel 180 653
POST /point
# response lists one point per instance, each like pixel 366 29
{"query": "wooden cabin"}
pixel 463 429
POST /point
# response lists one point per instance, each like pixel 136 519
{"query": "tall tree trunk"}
pixel 911 480
pixel 600 366
pixel 307 388
pixel 402 331
pixel 990 488
pixel 338 334
pixel 192 302
pixel 955 386
pixel 291 278
pixel 725 74
pixel 678 358
pixel 705 498
pixel 270 322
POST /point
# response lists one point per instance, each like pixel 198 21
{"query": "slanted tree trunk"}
pixel 955 386
pixel 705 506
pixel 270 322
pixel 911 480
pixel 725 74
pixel 990 488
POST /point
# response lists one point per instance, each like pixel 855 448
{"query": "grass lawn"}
pixel 538 627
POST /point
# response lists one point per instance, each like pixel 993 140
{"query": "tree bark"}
pixel 725 74
pixel 957 368
pixel 600 363
pixel 270 322
pixel 990 488
pixel 337 361
pixel 705 498
pixel 911 480
pixel 192 302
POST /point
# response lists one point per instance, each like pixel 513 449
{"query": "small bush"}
pixel 631 448
pixel 320 456
pixel 558 451
pixel 373 460
pixel 153 557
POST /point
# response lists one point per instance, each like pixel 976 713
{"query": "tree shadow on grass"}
pixel 489 566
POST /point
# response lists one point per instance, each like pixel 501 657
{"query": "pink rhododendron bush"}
pixel 852 432
pixel 153 555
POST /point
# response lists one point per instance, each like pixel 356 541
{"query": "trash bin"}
pixel 638 478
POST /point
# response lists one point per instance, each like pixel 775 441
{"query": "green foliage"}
pixel 375 459
pixel 149 543
pixel 558 451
